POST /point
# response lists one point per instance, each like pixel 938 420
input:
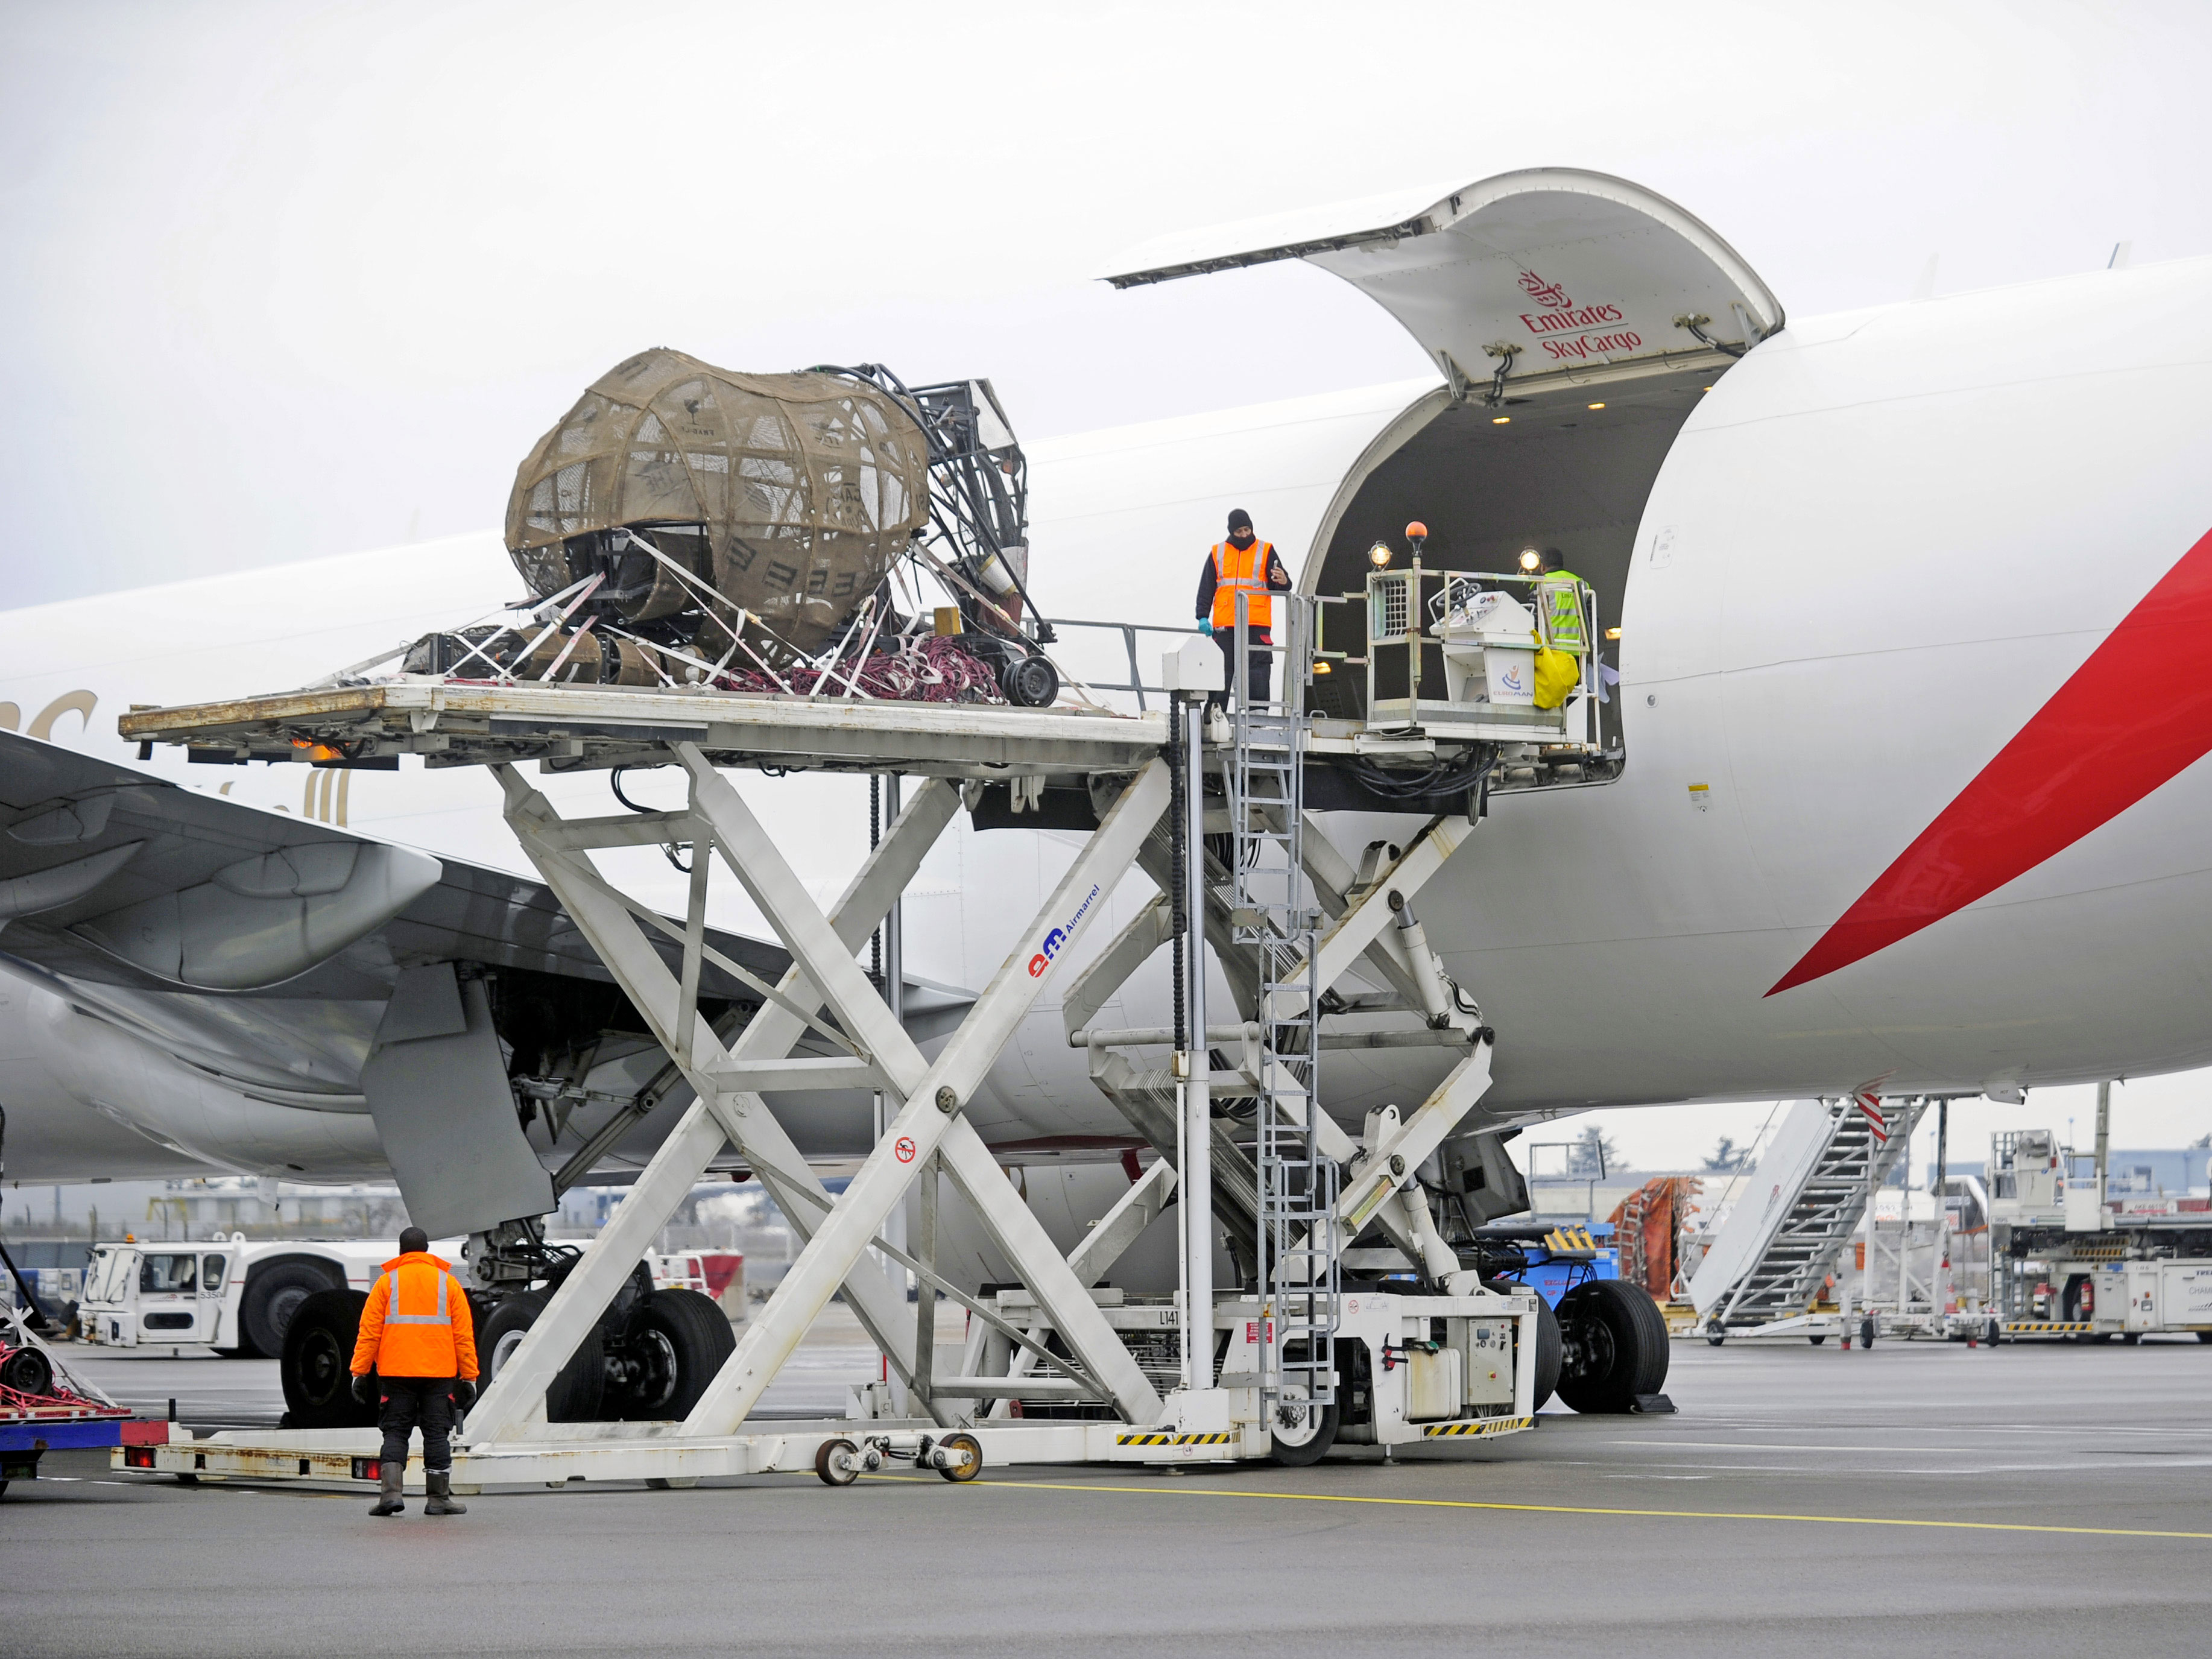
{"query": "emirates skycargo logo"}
pixel 1544 294
pixel 1560 317
pixel 1061 934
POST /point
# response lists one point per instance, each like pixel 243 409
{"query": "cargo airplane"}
pixel 1902 602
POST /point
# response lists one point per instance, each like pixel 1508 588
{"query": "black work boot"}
pixel 389 1501
pixel 440 1483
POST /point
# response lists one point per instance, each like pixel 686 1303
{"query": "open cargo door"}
pixel 1546 276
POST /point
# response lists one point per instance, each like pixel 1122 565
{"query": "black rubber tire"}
pixel 27 1371
pixel 577 1391
pixel 317 1363
pixel 1818 1339
pixel 1616 1342
pixel 1030 682
pixel 1549 1348
pixel 2205 1336
pixel 974 1448
pixel 833 1473
pixel 682 1338
pixel 1314 1448
pixel 273 1296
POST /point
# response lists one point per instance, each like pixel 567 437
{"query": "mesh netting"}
pixel 788 495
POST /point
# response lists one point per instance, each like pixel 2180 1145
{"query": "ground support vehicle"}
pixel 234 1296
pixel 1447 1359
pixel 2070 1262
pixel 43 1409
pixel 1421 1370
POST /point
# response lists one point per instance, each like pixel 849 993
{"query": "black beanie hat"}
pixel 1239 519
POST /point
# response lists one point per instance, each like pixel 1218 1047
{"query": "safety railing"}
pixel 1128 631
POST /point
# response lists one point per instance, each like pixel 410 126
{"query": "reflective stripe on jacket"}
pixel 1560 599
pixel 417 1322
pixel 1244 571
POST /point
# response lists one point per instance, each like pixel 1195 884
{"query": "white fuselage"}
pixel 1876 550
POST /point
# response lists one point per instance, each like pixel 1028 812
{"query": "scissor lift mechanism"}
pixel 507 1439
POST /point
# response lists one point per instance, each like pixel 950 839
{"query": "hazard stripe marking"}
pixel 1173 1439
pixel 1477 1425
pixel 2104 741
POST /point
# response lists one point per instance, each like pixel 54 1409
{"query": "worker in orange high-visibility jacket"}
pixel 1241 564
pixel 417 1353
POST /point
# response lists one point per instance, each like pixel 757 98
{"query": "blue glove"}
pixel 1205 627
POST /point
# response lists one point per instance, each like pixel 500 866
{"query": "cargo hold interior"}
pixel 1567 467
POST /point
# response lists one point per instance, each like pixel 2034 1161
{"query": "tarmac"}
pixel 1922 1497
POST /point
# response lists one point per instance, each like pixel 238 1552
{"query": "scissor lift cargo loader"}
pixel 1085 1349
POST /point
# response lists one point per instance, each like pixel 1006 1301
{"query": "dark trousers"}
pixel 409 1401
pixel 1262 664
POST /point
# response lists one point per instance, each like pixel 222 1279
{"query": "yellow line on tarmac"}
pixel 1571 1508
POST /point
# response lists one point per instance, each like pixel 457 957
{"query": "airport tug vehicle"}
pixel 1301 1355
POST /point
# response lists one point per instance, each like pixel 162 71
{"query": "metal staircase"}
pixel 1865 1138
pixel 1273 917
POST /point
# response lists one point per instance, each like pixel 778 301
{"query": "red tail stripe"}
pixel 2136 715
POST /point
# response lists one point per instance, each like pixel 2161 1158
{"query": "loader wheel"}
pixel 317 1366
pixel 675 1343
pixel 576 1391
pixel 1615 1342
pixel 837 1461
pixel 273 1298
pixel 968 1444
pixel 1299 1432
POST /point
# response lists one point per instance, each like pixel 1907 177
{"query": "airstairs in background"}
pixel 1799 1207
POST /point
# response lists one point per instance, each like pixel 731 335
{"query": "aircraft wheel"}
pixel 675 1343
pixel 1614 1343
pixel 1818 1339
pixel 576 1391
pixel 317 1363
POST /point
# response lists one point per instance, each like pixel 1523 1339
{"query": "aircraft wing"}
pixel 262 945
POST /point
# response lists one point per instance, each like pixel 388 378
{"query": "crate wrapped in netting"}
pixel 770 504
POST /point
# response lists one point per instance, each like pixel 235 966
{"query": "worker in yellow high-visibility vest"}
pixel 1559 603
pixel 1241 564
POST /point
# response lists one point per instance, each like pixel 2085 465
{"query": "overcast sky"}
pixel 278 281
